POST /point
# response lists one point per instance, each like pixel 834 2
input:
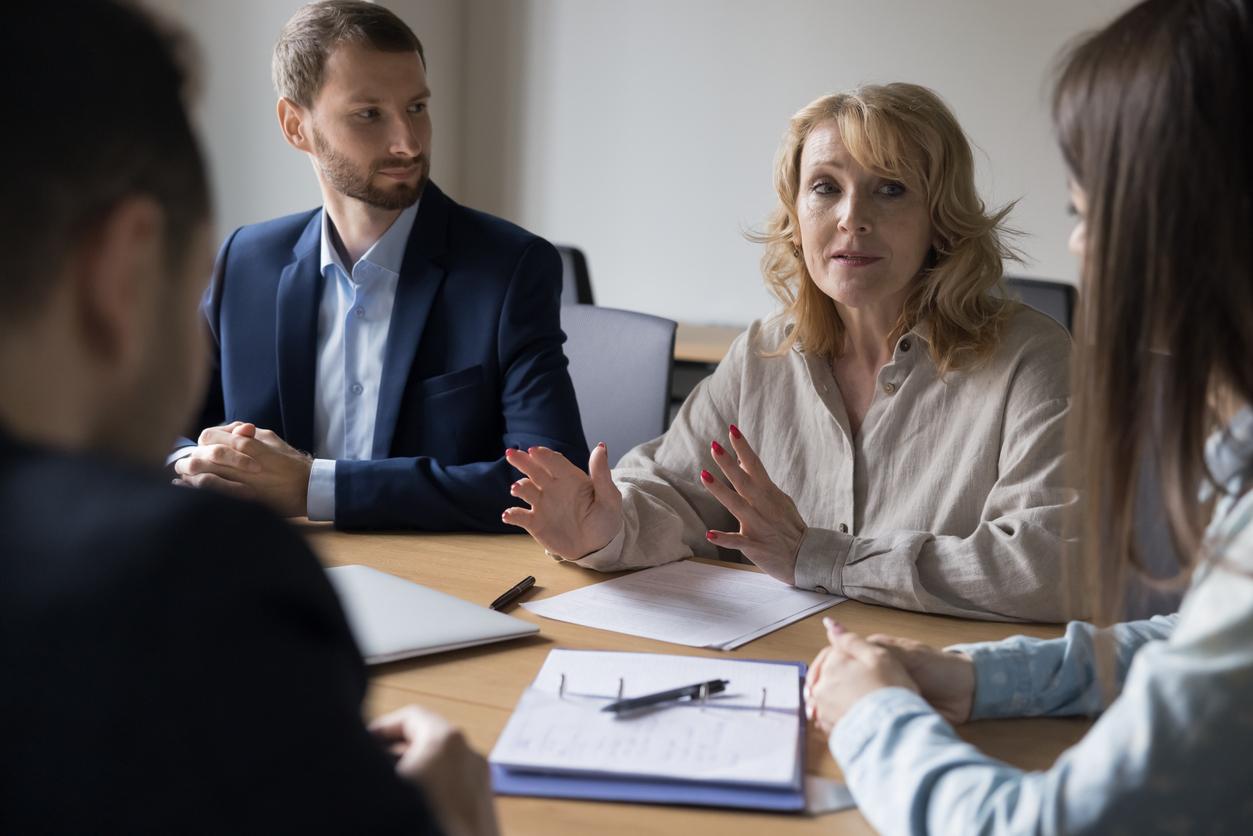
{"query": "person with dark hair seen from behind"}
pixel 173 660
pixel 404 341
pixel 1155 123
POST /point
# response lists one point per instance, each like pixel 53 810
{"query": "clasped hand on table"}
pixel 851 667
pixel 240 459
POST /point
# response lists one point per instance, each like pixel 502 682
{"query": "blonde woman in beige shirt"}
pixel 906 423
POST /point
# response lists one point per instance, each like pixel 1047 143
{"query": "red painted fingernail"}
pixel 735 432
pixel 717 448
pixel 601 445
pixel 706 477
pixel 711 535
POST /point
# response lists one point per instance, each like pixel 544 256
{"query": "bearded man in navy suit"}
pixel 401 339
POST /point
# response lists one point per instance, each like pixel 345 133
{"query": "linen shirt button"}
pixel 357 388
pixel 889 388
pixel 904 345
pixel 843 528
pixel 360 312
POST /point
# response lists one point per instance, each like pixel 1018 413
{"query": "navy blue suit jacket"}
pixel 473 363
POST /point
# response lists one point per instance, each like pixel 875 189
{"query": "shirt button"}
pixel 357 388
pixel 889 388
pixel 360 312
pixel 904 345
pixel 843 528
pixel 821 589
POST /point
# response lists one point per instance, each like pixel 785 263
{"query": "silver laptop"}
pixel 392 618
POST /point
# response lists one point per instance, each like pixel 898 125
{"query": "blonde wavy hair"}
pixel 903 132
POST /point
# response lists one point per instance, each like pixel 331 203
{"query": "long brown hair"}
pixel 906 132
pixel 1152 115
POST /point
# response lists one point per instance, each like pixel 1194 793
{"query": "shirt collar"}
pixel 1229 453
pixel 387 253
pixel 921 331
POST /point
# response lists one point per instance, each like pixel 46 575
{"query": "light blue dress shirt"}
pixel 353 322
pixel 1171 753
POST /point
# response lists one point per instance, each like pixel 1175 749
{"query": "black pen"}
pixel 513 594
pixel 714 686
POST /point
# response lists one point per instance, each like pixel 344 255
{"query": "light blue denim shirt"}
pixel 1170 754
pixel 354 319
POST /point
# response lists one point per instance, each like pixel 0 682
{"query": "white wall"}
pixel 256 175
pixel 645 131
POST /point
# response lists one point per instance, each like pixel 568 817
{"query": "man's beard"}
pixel 346 179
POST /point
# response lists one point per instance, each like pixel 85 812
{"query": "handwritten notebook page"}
pixel 730 739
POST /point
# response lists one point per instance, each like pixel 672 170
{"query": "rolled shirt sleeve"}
pixel 1024 677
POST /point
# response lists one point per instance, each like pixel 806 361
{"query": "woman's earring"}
pixel 796 251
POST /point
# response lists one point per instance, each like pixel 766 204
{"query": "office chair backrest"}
pixel 620 363
pixel 576 281
pixel 1056 299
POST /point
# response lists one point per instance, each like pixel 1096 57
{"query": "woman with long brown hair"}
pixel 1153 116
pixel 895 434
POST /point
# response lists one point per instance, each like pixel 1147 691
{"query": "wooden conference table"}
pixel 477 688
pixel 706 344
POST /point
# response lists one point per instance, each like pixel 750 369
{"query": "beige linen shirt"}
pixel 950 498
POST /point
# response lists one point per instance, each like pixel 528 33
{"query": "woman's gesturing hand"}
pixel 572 514
pixel 770 526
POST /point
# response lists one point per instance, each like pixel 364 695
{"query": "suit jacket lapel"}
pixel 296 335
pixel 421 276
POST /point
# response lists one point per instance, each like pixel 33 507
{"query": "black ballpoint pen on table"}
pixel 513 594
pixel 701 689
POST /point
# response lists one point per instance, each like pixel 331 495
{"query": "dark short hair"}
pixel 95 116
pixel 313 33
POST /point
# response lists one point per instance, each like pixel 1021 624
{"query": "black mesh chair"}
pixel 576 281
pixel 1055 299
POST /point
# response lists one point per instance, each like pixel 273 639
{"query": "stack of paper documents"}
pixel 742 747
pixel 689 603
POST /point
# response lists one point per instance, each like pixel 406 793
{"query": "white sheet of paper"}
pixel 781 623
pixel 824 795
pixel 728 740
pixel 689 603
